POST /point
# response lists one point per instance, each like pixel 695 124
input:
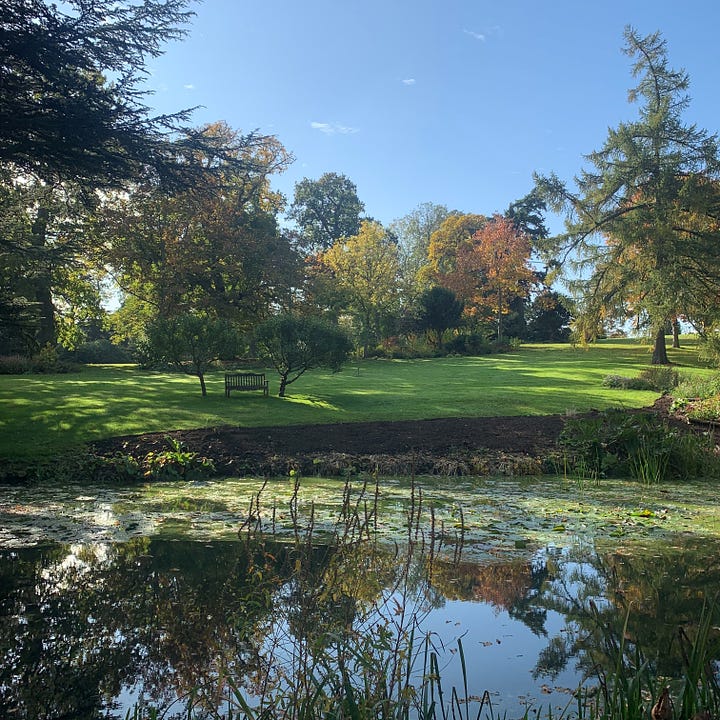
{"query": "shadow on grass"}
pixel 41 414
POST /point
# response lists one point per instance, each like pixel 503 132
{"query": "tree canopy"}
pixel 295 344
pixel 365 268
pixel 71 108
pixel 96 189
pixel 326 210
pixel 192 341
pixel 218 249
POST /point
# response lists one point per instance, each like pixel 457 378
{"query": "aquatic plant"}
pixel 616 444
pixel 633 690
pixel 345 640
pixel 176 463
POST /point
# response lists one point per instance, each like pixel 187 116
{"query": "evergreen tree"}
pixel 71 109
pixel 636 221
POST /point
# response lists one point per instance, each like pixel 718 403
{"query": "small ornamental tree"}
pixel 439 310
pixel 295 344
pixel 192 342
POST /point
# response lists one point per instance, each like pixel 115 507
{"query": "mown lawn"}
pixel 43 414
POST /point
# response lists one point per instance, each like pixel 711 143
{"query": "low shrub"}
pixel 658 378
pixel 68 467
pixel 176 463
pixel 173 463
pixel 642 446
pixel 622 382
pixel 46 362
pixel 402 348
pixel 709 349
pixel 619 382
pixel 99 352
pixel 698 387
pixel 698 398
pixel 15 365
pixel 469 344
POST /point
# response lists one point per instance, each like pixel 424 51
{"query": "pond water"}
pixel 173 594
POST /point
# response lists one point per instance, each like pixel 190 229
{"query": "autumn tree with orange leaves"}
pixel 501 257
pixel 492 269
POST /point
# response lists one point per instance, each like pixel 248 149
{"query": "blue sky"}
pixel 454 102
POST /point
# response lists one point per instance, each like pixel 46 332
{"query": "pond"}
pixel 215 594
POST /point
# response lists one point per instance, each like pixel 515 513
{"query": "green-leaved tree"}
pixel 192 341
pixel 326 210
pixel 294 344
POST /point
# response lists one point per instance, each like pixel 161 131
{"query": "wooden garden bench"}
pixel 245 381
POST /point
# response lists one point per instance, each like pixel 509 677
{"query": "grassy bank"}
pixel 43 414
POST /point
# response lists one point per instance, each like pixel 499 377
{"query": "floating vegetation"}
pixel 497 512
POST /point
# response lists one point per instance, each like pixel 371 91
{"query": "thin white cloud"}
pixel 476 35
pixel 409 81
pixel 189 86
pixel 333 128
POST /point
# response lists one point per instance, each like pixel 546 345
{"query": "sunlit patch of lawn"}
pixel 42 414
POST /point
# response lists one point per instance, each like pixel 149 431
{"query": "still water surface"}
pixel 115 597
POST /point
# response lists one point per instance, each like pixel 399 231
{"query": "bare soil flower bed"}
pixel 509 445
pixel 447 446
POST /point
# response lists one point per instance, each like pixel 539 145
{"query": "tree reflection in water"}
pixel 86 631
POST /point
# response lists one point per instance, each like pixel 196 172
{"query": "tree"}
pixel 326 210
pixel 548 318
pixel 61 119
pixel 365 268
pixel 74 129
pixel 454 233
pixel 296 344
pixel 501 254
pixel 635 220
pixel 217 248
pixel 440 310
pixel 192 341
pixel 414 231
pixel 42 261
pixel 528 216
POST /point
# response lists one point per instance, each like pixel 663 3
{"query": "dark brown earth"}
pixel 506 445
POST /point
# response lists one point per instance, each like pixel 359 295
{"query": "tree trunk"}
pixel 659 355
pixel 499 316
pixel 46 326
pixel 283 384
pixel 203 389
pixel 43 283
pixel 676 334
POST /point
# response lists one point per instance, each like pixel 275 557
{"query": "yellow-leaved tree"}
pixel 364 270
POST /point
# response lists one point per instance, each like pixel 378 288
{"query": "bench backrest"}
pixel 245 380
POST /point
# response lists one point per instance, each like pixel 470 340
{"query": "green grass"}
pixel 42 414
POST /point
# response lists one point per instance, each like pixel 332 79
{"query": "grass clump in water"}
pixel 631 689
